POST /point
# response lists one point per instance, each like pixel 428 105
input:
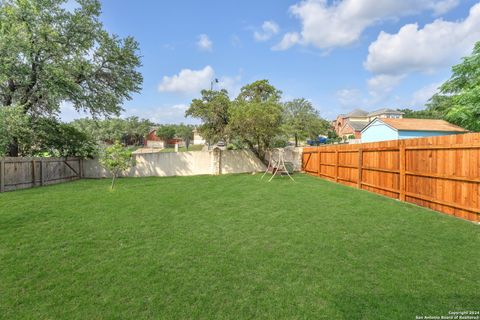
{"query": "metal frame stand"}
pixel 277 164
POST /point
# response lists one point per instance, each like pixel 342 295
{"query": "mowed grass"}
pixel 230 247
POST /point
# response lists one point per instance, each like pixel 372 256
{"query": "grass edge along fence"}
pixel 23 173
pixel 441 173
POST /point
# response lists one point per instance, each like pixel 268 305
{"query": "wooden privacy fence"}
pixel 441 173
pixel 22 173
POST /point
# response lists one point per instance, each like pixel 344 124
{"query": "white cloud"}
pixel 442 7
pixel 162 114
pixel 204 43
pixel 269 29
pixel 349 98
pixel 436 45
pixel 421 96
pixel 329 24
pixel 288 40
pixel 188 81
pixel 381 85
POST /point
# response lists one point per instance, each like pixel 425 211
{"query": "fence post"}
pixel 319 161
pixel 336 165
pixel 2 175
pixel 34 175
pixel 401 155
pixel 80 168
pixel 360 168
pixel 42 172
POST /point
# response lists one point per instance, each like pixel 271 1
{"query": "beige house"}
pixel 197 138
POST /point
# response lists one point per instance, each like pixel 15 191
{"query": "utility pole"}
pixel 212 82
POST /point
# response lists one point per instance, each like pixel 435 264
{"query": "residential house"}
pixel 355 121
pixel 197 138
pixel 152 141
pixel 382 129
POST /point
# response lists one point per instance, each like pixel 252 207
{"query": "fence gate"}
pixel 22 173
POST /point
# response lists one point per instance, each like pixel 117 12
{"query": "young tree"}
pixel 185 133
pixel 213 109
pixel 116 159
pixel 50 55
pixel 256 116
pixel 302 121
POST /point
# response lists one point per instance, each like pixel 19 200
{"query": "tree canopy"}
pixel 130 131
pixel 166 132
pixel 213 109
pixel 184 132
pixel 42 136
pixel 459 98
pixel 49 55
pixel 421 114
pixel 462 91
pixel 256 118
pixel 302 120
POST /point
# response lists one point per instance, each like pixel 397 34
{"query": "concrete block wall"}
pixel 183 164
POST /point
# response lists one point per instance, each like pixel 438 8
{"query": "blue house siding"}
pixel 378 131
pixel 422 134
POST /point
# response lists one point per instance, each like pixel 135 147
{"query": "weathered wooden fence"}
pixel 441 173
pixel 22 173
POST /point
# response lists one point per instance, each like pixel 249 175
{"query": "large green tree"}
pixel 303 121
pixel 50 55
pixel 256 116
pixel 462 92
pixel 213 109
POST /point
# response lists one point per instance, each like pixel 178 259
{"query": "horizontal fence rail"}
pixel 441 173
pixel 23 173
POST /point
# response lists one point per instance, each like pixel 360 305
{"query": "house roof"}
pixel 357 113
pixel 421 125
pixel 358 125
pixel 384 111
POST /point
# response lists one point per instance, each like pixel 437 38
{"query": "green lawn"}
pixel 230 247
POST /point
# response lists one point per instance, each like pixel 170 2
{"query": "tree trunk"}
pixel 113 181
pixel 13 148
pixel 296 140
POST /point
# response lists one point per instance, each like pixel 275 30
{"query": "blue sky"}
pixel 339 55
